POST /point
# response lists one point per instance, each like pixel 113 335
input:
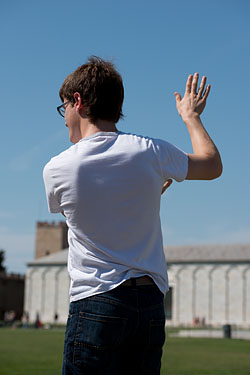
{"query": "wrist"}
pixel 191 118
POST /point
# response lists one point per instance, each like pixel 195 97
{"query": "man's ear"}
pixel 78 101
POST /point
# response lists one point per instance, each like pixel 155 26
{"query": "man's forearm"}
pixel 205 153
pixel 201 141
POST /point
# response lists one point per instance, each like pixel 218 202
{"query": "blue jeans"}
pixel 118 332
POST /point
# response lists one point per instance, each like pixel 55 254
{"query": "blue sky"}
pixel 154 45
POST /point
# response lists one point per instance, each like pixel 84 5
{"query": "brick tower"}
pixel 50 238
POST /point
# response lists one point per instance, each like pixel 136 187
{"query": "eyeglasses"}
pixel 61 108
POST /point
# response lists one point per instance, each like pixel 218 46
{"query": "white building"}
pixel 207 283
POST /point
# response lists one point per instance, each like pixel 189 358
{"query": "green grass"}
pixel 198 356
pixel 30 351
pixel 39 352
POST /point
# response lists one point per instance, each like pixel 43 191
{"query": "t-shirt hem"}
pixel 113 286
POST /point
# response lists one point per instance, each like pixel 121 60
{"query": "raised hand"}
pixel 193 102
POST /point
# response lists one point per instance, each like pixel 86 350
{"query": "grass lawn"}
pixel 198 356
pixel 39 352
pixel 30 351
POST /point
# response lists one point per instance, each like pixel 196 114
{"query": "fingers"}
pixel 177 97
pixel 189 84
pixel 192 83
pixel 195 83
pixel 202 85
pixel 206 92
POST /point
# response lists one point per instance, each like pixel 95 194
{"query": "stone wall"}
pixel 213 293
pixel 47 293
pixel 216 294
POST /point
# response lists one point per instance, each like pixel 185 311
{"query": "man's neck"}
pixel 88 128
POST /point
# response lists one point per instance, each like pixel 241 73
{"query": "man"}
pixel 108 186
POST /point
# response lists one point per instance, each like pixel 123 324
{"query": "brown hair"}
pixel 100 87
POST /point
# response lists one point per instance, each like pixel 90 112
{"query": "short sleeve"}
pixel 173 161
pixel 53 204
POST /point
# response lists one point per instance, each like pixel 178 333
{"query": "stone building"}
pixel 47 281
pixel 50 238
pixel 208 284
pixel 47 288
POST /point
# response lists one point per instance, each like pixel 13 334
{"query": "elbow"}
pixel 217 173
pixel 216 170
pixel 220 170
pixel 204 168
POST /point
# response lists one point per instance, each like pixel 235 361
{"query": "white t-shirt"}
pixel 109 187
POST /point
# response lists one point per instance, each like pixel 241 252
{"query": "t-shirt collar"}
pixel 100 134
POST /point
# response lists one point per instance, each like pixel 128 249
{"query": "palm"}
pixel 193 101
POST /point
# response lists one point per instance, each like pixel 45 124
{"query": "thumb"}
pixel 177 97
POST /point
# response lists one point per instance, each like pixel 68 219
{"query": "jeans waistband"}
pixel 138 281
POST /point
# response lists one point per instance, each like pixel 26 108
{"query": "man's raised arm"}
pixel 205 162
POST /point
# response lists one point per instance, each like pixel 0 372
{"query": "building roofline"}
pixel 232 253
